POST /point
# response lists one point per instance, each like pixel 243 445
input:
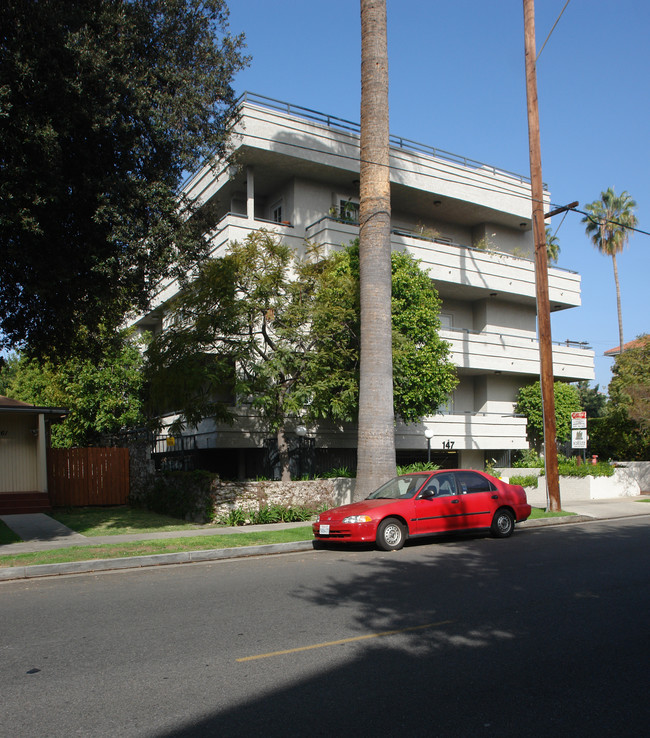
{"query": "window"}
pixel 441 485
pixel 448 407
pixel 470 482
pixel 345 208
pixel 446 321
pixel 276 213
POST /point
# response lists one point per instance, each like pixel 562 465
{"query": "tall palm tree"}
pixel 552 246
pixel 607 225
pixel 376 434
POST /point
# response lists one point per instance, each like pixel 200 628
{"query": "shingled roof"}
pixel 7 404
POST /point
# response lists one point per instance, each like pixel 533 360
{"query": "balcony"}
pixel 497 352
pixel 465 431
pixel 462 271
pixel 232 227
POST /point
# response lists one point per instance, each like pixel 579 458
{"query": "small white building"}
pixel 468 222
pixel 24 442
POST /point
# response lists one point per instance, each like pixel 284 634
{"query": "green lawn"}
pixel 540 512
pixel 145 548
pixel 113 521
pixel 102 521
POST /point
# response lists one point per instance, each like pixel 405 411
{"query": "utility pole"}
pixel 541 263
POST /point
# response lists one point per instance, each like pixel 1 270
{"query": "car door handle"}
pixel 495 497
pixel 455 502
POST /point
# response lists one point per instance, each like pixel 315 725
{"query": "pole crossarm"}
pixel 563 209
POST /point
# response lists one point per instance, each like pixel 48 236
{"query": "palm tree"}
pixel 607 225
pixel 376 434
pixel 552 246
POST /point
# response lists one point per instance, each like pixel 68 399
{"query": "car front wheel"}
pixel 503 524
pixel 391 535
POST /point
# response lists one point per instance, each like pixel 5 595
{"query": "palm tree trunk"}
pixel 618 304
pixel 376 434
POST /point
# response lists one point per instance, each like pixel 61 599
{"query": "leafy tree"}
pixel 103 395
pixel 623 433
pixel 616 436
pixel 607 225
pixel 376 433
pixel 591 400
pixel 630 384
pixel 552 246
pixel 6 372
pixel 424 375
pixel 103 108
pixel 529 403
pixel 240 331
pixel 282 335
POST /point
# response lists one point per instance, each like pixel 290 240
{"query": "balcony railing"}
pixel 511 353
pixel 460 431
pixel 329 221
pixel 397 142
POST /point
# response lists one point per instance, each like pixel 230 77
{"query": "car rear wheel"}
pixel 503 524
pixel 391 534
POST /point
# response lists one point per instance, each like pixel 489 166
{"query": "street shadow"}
pixel 482 637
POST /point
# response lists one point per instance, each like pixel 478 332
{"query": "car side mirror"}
pixel 427 494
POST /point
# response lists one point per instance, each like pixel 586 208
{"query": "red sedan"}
pixel 424 503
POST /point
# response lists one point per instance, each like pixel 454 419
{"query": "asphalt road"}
pixel 543 634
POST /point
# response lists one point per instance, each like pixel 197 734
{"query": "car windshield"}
pixel 399 488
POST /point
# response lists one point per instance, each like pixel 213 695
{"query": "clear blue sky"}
pixel 457 82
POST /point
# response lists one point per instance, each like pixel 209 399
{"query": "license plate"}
pixel 324 530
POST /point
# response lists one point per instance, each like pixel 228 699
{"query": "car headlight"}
pixel 357 519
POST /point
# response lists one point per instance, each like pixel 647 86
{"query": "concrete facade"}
pixel 469 224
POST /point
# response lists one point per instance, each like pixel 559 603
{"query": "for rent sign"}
pixel 579 420
pixel 579 429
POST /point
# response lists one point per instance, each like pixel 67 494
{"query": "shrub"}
pixel 528 480
pixel 601 469
pixel 418 466
pixel 341 471
pixel 267 514
pixel 185 495
pixel 530 459
pixel 233 518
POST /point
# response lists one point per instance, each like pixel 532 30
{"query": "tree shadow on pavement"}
pixel 539 635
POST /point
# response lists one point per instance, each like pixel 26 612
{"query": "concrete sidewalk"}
pixel 41 533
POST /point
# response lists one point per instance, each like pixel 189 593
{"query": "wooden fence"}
pixel 88 476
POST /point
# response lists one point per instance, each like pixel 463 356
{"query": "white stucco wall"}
pixel 624 483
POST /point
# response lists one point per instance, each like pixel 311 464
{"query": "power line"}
pixel 539 53
pixel 599 221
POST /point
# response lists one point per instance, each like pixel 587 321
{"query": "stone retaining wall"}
pixel 255 495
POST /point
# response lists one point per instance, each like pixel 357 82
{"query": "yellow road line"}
pixel 345 640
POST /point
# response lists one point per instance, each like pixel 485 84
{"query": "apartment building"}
pixel 296 171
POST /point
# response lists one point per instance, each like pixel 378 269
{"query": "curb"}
pixel 215 554
pixel 137 562
pixel 561 520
